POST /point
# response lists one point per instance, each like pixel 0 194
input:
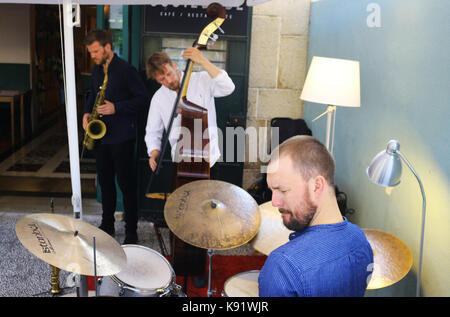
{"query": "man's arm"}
pixel 153 133
pixel 279 278
pixel 138 91
pixel 221 84
pixel 195 55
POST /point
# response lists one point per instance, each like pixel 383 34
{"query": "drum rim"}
pixel 235 275
pixel 125 285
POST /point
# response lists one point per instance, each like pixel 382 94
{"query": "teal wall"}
pixel 405 93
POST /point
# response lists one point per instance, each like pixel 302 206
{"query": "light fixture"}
pixel 385 170
pixel 334 82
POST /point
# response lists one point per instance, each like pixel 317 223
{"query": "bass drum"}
pixel 147 274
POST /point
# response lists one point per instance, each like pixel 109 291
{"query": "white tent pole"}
pixel 71 108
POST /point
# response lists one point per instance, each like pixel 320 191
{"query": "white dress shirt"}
pixel 201 91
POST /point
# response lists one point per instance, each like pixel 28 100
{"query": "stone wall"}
pixel 278 66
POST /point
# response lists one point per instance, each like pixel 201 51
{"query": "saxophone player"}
pixel 114 153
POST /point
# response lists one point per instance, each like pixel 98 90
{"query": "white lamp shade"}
pixel 332 81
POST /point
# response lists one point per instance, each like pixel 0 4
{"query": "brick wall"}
pixel 278 66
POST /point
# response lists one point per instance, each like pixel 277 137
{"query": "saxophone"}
pixel 96 128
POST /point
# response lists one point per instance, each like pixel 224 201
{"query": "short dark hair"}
pixel 309 157
pixel 101 36
pixel 156 62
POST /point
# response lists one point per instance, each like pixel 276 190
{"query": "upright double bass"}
pixel 193 157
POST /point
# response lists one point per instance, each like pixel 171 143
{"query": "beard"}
pixel 102 60
pixel 304 215
pixel 174 86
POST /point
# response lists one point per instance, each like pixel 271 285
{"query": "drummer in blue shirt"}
pixel 326 255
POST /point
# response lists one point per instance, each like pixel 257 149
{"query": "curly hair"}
pixel 101 36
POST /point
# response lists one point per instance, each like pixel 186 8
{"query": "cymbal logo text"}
pixel 43 241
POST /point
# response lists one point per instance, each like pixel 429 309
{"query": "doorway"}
pixel 39 164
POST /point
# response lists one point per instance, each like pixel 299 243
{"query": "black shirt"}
pixel 127 91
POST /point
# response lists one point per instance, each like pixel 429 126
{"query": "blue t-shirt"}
pixel 322 260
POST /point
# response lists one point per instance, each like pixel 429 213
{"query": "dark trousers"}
pixel 117 160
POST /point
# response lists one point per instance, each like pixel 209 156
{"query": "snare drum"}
pixel 147 274
pixel 243 284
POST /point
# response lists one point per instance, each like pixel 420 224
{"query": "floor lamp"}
pixel 385 170
pixel 334 82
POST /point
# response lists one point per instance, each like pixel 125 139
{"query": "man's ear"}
pixel 108 47
pixel 317 185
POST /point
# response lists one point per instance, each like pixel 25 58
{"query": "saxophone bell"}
pixel 96 129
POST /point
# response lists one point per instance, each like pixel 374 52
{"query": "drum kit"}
pixel 209 214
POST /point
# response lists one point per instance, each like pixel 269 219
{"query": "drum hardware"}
pixel 147 274
pixel 54 280
pixel 391 256
pixel 210 291
pixel 95 267
pixel 212 215
pixel 65 243
pixel 162 246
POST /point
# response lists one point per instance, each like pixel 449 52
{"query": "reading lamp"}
pixel 334 82
pixel 385 170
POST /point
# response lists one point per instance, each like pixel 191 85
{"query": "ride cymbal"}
pixel 212 214
pixel 272 232
pixel 392 258
pixel 67 243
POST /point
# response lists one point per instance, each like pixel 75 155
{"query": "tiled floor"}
pixel 42 167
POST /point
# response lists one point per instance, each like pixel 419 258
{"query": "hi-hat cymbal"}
pixel 392 258
pixel 272 233
pixel 212 214
pixel 67 243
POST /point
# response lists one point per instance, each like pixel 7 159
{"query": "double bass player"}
pixel 203 87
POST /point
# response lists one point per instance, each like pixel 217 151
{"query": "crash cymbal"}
pixel 67 243
pixel 272 233
pixel 392 258
pixel 212 214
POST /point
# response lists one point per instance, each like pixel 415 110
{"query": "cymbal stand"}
pixel 210 291
pixel 54 280
pixel 95 268
pixel 55 290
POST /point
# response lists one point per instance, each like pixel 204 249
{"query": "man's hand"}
pixel 86 118
pixel 195 55
pixel 153 160
pixel 107 108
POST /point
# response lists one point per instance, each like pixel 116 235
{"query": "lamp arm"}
pixel 329 109
pixel 331 113
pixel 423 220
